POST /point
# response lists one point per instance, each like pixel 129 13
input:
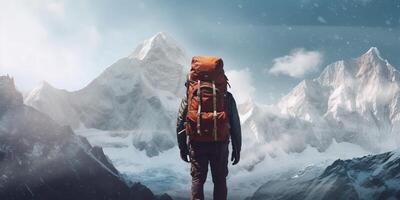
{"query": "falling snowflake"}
pixel 321 19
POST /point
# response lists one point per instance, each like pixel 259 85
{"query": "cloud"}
pixel 31 52
pixel 298 63
pixel 56 8
pixel 242 85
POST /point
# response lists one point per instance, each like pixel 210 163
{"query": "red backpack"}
pixel 207 117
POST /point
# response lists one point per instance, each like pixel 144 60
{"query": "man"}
pixel 207 117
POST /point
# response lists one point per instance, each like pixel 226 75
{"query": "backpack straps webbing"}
pixel 199 107
pixel 215 110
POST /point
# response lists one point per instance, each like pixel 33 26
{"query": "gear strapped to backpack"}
pixel 207 117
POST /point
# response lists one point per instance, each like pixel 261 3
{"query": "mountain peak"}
pixel 45 85
pixel 368 63
pixel 6 81
pixel 42 89
pixel 161 35
pixel 160 45
pixel 9 96
pixel 373 52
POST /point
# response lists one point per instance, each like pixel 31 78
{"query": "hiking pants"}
pixel 215 153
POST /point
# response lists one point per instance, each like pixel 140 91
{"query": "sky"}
pixel 271 45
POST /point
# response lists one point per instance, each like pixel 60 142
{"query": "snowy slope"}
pixel 40 159
pixel 354 101
pixel 368 177
pixel 54 102
pixel 139 93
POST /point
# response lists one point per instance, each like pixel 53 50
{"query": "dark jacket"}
pixel 234 123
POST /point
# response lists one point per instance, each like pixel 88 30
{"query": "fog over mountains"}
pixel 132 106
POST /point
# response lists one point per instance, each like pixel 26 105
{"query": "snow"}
pixel 167 173
pixel 321 19
pixel 163 42
pixel 34 94
pixel 145 49
pixel 139 93
pixel 351 109
pixel 29 189
pixel 357 97
pixel 37 150
pixel 53 102
pixel 375 51
pixel 162 173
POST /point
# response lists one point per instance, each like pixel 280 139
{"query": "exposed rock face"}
pixel 40 159
pixel 369 177
pixel 9 96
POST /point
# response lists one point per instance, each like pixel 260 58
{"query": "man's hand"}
pixel 185 155
pixel 235 157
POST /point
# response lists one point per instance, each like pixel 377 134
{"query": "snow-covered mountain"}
pixel 368 177
pixel 354 101
pixel 40 159
pixel 54 102
pixel 134 102
pixel 139 93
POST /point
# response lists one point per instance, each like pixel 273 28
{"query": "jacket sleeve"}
pixel 234 122
pixel 180 133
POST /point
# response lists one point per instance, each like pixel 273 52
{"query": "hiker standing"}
pixel 207 117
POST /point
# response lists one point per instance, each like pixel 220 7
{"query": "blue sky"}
pixel 68 43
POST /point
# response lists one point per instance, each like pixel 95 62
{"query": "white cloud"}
pixel 31 53
pixel 242 85
pixel 298 63
pixel 56 8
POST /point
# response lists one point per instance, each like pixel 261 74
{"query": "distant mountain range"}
pixel 355 101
